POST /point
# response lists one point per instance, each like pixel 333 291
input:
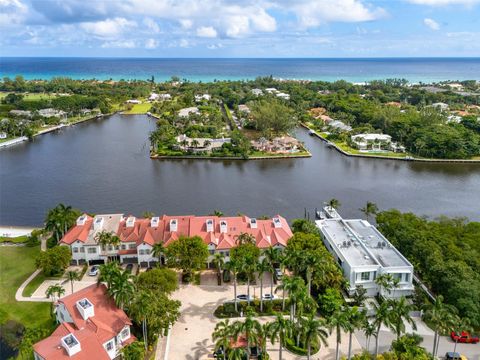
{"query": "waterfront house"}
pixel 363 254
pixel 202 144
pixel 340 125
pixel 50 112
pixel 374 142
pixel 257 92
pixel 138 235
pixel 21 113
pixel 91 327
pixel 278 145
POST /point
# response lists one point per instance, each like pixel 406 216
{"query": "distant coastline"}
pixel 354 70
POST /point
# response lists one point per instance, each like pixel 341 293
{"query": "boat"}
pixel 311 132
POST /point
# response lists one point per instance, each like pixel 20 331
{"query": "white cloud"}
pixel 432 24
pixel 238 26
pixel 444 2
pixel 123 44
pixel 311 13
pixel 207 32
pixel 184 43
pixel 151 44
pixel 109 28
pixel 151 25
pixel 186 23
pixel 214 46
pixel 12 12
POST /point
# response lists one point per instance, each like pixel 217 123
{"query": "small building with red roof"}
pixel 91 327
pixel 139 235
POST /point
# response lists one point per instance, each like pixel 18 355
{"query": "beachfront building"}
pixel 138 236
pixel 50 112
pixel 339 125
pixel 202 97
pixel 200 144
pixel 91 327
pixel 278 145
pixel 185 112
pixel 364 254
pixel 375 142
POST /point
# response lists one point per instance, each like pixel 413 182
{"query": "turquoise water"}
pixel 353 70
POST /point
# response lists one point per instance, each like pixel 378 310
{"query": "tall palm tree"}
pixel 72 276
pixel 234 266
pixel 334 203
pixel 311 262
pixel 158 251
pixel 273 257
pixel 459 325
pixel 263 335
pixel 314 330
pixel 222 335
pixel 122 289
pixel 245 238
pixel 294 286
pixel 399 315
pixel 60 219
pixel 54 292
pixel 248 328
pixel 339 322
pixel 207 143
pixel 382 317
pixel 148 214
pixel 140 310
pixel 280 329
pixel 262 267
pixel 369 330
pixel 369 209
pixel 237 353
pixel 106 238
pixel 385 282
pixel 356 319
pixel 108 272
pixel 195 143
pixel 439 315
pixel 219 263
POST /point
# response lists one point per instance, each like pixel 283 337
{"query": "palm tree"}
pixel 369 331
pixel 311 262
pixel 294 286
pixel 245 238
pixel 439 315
pixel 369 209
pixel 385 282
pixel 459 325
pixel 234 266
pixel 263 335
pixel 148 214
pixel 60 219
pixel 207 143
pixel 273 256
pixel 122 289
pixel 195 143
pixel 217 213
pixel 106 238
pixel 237 353
pixel 339 321
pixel 108 272
pixel 334 203
pixel 248 328
pixel 399 315
pixel 262 267
pixel 280 329
pixel 222 335
pixel 140 311
pixel 382 316
pixel 314 330
pixel 54 292
pixel 356 319
pixel 158 251
pixel 72 276
pixel 219 262
pixel 184 143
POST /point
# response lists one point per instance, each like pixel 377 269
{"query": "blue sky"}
pixel 242 28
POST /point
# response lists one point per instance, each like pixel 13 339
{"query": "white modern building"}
pixel 364 254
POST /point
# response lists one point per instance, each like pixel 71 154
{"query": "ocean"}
pixel 415 70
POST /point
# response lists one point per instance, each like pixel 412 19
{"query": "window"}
pixel 363 276
pixel 109 346
pixel 397 277
pixel 211 252
pixel 82 249
pixel 75 250
pixel 407 277
pixel 92 250
pixel 131 246
pixel 125 333
pixel 124 247
pixel 144 252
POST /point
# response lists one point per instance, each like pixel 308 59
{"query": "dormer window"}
pixel 154 221
pixel 253 223
pixel 276 222
pixel 209 223
pixel 98 223
pixel 130 221
pixel 86 309
pixel 173 225
pixel 71 344
pixel 81 220
pixel 223 226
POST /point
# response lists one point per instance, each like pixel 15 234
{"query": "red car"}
pixel 464 337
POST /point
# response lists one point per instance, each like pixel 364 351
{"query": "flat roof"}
pixel 360 243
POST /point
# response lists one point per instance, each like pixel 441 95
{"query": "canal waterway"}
pixel 102 166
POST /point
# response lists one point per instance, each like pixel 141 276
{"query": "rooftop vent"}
pixel 71 344
pixel 253 223
pixel 154 221
pixel 98 223
pixel 81 220
pixel 223 226
pixel 209 223
pixel 276 222
pixel 86 309
pixel 130 221
pixel 173 225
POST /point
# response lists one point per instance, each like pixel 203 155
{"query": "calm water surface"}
pixel 103 166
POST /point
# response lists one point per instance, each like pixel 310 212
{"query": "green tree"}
pixel 280 329
pixel 399 315
pixel 339 321
pixel 108 272
pixel 187 253
pixel 369 209
pixel 272 117
pixel 314 331
pixel 247 254
pixel 249 328
pixel 262 267
pixel 219 263
pixel 122 289
pixel 273 257
pixel 134 351
pixel 162 280
pixel 54 261
pixel 223 335
pixel 30 336
pixel 382 316
pixel 334 203
pixel 158 251
pixel 60 219
pixel 141 309
pixel 441 316
pixel 356 319
pixel 72 276
pixel 107 239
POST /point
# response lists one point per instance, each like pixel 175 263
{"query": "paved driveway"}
pixel 190 337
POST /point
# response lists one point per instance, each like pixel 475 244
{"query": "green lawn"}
pixel 18 239
pixel 31 96
pixel 142 108
pixel 16 264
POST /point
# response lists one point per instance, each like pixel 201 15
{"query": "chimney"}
pixel 85 307
pixel 71 344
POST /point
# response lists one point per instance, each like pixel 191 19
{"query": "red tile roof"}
pixel 78 232
pixel 92 333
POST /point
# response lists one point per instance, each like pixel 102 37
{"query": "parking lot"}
pixel 190 337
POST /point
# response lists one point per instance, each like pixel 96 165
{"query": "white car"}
pixel 278 274
pixel 244 297
pixel 94 270
pixel 268 297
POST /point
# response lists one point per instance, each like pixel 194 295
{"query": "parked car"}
pixel 278 274
pixel 94 270
pixel 455 356
pixel 243 297
pixel 129 268
pixel 464 337
pixel 268 297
